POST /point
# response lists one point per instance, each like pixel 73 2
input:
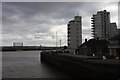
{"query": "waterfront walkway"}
pixel 92 59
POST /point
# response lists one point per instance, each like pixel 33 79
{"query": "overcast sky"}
pixel 35 23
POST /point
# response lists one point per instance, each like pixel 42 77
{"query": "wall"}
pixel 80 68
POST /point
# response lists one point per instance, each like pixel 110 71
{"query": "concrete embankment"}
pixel 84 67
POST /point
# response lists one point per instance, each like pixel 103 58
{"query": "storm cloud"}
pixel 35 23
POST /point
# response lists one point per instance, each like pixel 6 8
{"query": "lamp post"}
pixel 60 44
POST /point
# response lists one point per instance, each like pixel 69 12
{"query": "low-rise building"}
pixel 18 45
pixel 114 47
pixel 94 46
pixel 118 31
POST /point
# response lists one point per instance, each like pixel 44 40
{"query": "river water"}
pixel 27 64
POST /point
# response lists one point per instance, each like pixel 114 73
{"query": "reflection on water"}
pixel 26 64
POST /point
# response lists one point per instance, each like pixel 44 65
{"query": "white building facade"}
pixel 75 33
pixel 101 26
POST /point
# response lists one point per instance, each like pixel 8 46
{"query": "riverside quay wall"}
pixel 83 67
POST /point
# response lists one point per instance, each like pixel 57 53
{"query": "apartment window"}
pixel 68 44
pixel 68 32
pixel 68 41
pixel 105 34
pixel 77 32
pixel 76 45
pixel 68 24
pixel 77 40
pixel 69 38
pixel 68 27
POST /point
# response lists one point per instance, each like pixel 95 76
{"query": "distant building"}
pixel 17 44
pixel 101 26
pixel 75 33
pixel 110 49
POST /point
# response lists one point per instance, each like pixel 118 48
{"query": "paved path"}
pixel 93 59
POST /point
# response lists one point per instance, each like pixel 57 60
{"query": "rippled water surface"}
pixel 26 64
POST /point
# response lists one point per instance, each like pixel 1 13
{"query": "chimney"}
pixel 85 40
pixel 97 38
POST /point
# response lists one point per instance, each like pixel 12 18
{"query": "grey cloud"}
pixel 61 1
pixel 27 18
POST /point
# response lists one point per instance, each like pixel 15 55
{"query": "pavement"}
pixel 93 59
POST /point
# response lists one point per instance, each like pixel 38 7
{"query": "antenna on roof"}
pixel 77 14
